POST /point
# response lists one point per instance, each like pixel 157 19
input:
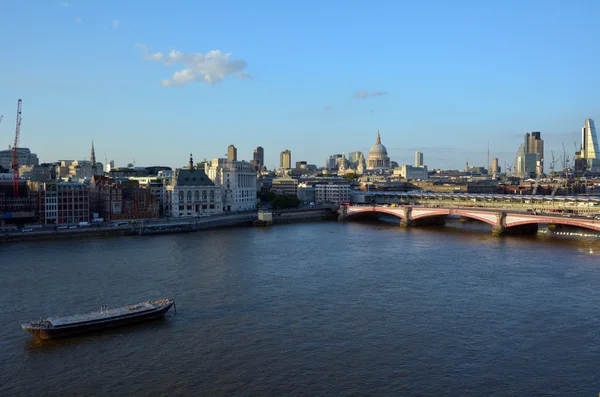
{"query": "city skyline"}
pixel 475 73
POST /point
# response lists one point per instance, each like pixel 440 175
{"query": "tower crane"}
pixel 15 155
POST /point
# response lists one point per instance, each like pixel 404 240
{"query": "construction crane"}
pixel 566 160
pixel 15 155
pixel 552 164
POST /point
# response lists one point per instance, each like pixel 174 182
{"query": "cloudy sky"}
pixel 153 81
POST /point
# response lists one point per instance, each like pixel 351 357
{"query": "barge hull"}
pixel 76 329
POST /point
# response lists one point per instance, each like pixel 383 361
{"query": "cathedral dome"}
pixel 378 157
pixel 378 149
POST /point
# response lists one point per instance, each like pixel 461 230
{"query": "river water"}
pixel 312 309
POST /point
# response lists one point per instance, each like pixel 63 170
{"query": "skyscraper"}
pixel 535 144
pixel 231 153
pixel 285 159
pixel 418 159
pixel 495 168
pixel 258 158
pixel 589 145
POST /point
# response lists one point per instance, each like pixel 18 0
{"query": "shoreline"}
pixel 164 226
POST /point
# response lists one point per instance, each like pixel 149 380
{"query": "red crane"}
pixel 15 155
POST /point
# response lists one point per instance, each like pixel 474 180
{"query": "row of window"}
pixel 211 195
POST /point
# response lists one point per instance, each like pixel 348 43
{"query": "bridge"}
pixel 502 221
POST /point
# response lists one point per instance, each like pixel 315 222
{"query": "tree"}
pixel 282 202
pixel 351 176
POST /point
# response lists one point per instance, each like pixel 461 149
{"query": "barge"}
pixel 59 327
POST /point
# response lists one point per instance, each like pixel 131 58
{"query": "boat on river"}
pixel 59 327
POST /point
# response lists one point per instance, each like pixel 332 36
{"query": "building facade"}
pixel 231 153
pixel 117 199
pixel 285 159
pixel 237 180
pixel 62 202
pixel 419 159
pixel 24 157
pixel 590 149
pixel 192 193
pixel 286 186
pixel 332 194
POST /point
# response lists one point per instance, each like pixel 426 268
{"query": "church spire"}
pixel 378 140
pixel 93 155
pixel 191 162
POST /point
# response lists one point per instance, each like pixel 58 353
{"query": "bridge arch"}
pixel 376 210
pixel 557 221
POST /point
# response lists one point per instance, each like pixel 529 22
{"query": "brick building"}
pixel 115 199
pixel 62 202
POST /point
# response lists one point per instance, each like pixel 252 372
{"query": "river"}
pixel 310 309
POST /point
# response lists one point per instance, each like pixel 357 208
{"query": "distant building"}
pixel 231 153
pixel 285 159
pixel 306 193
pixel 333 161
pixel 418 159
pixel 495 167
pixel 191 192
pixel 409 172
pixel 378 157
pixel 286 186
pixel 535 144
pixel 121 199
pixel 237 180
pixel 24 156
pixel 590 150
pixel 258 158
pixel 62 202
pixel 332 194
pixel 301 165
pixel 354 158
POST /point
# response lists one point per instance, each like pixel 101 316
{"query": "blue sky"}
pixel 450 76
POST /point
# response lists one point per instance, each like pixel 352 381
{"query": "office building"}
pixel 258 158
pixel 418 159
pixel 231 153
pixel 590 152
pixel 495 167
pixel 285 159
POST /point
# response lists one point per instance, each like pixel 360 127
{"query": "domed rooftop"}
pixel 378 149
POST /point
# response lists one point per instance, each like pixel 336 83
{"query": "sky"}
pixel 153 81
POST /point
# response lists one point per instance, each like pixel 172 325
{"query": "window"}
pixel 212 195
pixel 197 195
pixel 180 196
pixel 189 196
pixel 204 195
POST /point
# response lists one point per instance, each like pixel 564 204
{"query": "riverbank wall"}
pixel 274 217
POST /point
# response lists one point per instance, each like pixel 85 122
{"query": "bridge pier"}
pixel 407 219
pixel 500 228
pixel 343 213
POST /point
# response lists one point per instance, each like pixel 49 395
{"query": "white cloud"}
pixel 78 20
pixel 115 23
pixel 365 94
pixel 210 68
pixel 63 4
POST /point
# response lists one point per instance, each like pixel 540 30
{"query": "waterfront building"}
pixel 418 159
pixel 378 157
pixel 285 185
pixel 285 159
pixel 306 193
pixel 18 209
pixel 24 156
pixel 231 153
pixel 237 181
pixel 590 150
pixel 332 193
pixel 191 192
pixel 121 199
pixel 62 202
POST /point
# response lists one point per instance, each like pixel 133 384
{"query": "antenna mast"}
pixel 15 155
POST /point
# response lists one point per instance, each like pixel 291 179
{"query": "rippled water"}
pixel 310 309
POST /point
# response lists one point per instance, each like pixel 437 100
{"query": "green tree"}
pixel 282 202
pixel 351 176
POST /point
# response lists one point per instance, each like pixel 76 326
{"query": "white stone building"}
pixel 190 193
pixel 332 194
pixel 238 182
